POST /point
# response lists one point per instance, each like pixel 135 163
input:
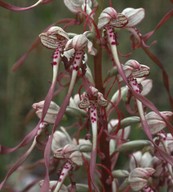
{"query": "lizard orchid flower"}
pixel 110 19
pixel 75 48
pixel 92 100
pixel 134 70
pixel 54 38
pixel 69 151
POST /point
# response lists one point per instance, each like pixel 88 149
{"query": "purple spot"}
pixel 55 56
pixel 54 63
pixel 66 167
pixel 75 68
pixel 113 43
pixel 77 58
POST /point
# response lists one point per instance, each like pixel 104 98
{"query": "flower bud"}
pixel 138 178
pixel 146 160
pixel 133 145
pixel 51 112
pixel 120 173
pixel 76 158
pixel 140 160
pixel 73 107
pixel 155 122
pixel 66 151
pixel 59 140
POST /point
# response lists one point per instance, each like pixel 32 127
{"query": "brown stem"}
pixel 104 149
pixel 102 142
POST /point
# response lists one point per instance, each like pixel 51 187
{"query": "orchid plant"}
pixel 84 138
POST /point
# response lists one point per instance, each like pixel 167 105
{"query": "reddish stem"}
pixel 103 143
pixel 104 149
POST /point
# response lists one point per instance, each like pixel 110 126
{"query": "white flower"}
pixel 138 178
pixel 155 122
pixel 139 159
pixel 77 6
pixel 79 43
pixel 51 112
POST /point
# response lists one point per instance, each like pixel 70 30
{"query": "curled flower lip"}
pixel 92 99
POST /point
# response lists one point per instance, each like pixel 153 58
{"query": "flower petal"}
pixel 134 16
pixel 106 16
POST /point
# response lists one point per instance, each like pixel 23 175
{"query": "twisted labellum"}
pixel 75 68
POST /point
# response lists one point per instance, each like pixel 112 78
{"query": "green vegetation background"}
pixel 29 84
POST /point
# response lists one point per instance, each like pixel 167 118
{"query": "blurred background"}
pixel 30 83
